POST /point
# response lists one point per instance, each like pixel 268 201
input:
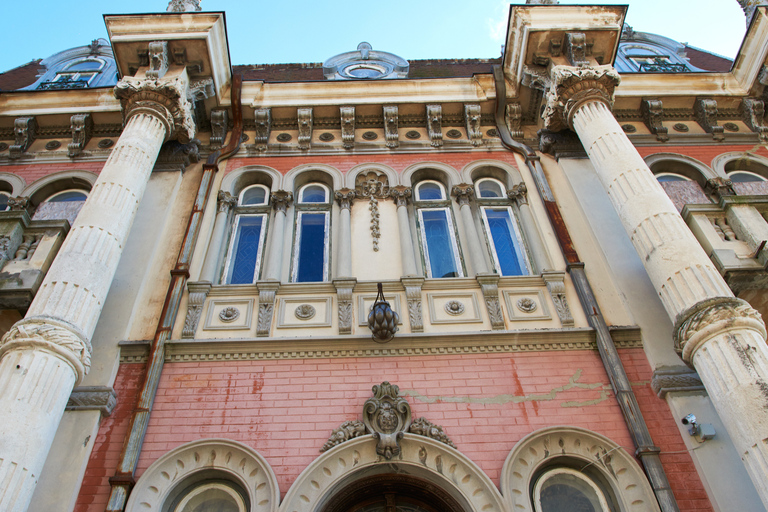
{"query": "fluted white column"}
pixel 344 255
pixel 211 263
pixel 281 200
pixel 44 355
pixel 463 193
pixel 720 335
pixel 401 194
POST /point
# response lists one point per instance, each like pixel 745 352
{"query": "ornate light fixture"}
pixel 382 320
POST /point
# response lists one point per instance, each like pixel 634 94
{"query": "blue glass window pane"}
pixel 255 195
pixel 246 250
pixel 72 195
pixel 313 194
pixel 3 202
pixel 504 243
pixel 430 192
pixel 311 262
pixel 489 189
pixel 86 65
pixel 439 248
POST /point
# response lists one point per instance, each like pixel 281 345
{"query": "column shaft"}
pixel 406 243
pixel 540 254
pixel 344 255
pixel 215 247
pixel 474 246
pixel 280 202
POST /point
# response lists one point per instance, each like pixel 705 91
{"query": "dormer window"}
pixel 365 64
pixel 77 75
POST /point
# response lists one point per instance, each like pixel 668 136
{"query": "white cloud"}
pixel 497 25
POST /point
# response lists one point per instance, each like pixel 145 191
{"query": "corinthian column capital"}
pixel 571 87
pixel 165 99
pixel 281 200
pixel 401 195
pixel 344 197
pixel 463 193
pixel 711 317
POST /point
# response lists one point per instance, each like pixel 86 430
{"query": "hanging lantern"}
pixel 382 320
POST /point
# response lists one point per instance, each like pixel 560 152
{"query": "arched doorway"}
pixel 392 493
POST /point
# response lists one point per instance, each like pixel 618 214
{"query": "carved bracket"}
pixel 263 118
pixel 82 128
pixel 24 130
pixel 752 113
pixel 390 126
pixel 653 116
pixel 219 126
pixel 514 118
pixel 556 287
pixel 576 48
pixel 705 110
pixel 198 291
pixel 347 115
pixel 489 284
pixel 435 124
pixel 386 416
pixel 344 288
pixel 267 292
pixel 93 398
pixel 472 119
pixel 412 287
pixel 719 187
pixel 305 127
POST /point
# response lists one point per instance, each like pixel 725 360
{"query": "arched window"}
pixel 437 231
pixel 740 176
pixel 311 247
pixel 4 196
pixel 68 196
pixel 249 228
pixel 666 177
pixel 77 75
pixel 564 489
pixel 502 229
pixel 210 497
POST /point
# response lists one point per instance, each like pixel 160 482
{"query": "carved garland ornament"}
pixel 386 416
pixel 56 336
pixel 572 87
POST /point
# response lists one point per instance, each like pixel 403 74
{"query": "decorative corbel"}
pixel 263 118
pixel 347 115
pixel 390 125
pixel 24 129
pixel 158 59
pixel 267 293
pixel 305 127
pixel 556 287
pixel 82 127
pixel 514 120
pixel 344 197
pixel 752 113
pixel 576 48
pixel 219 126
pixel 472 119
pixel 653 116
pixel 344 289
pixel 435 124
pixel 719 187
pixel 198 291
pixel 201 89
pixel 489 285
pixel 705 110
pixel 412 287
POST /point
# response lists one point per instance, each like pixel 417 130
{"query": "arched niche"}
pixel 595 456
pixel 437 171
pixel 455 477
pixel 501 171
pixel 237 180
pixel 201 461
pixel 351 176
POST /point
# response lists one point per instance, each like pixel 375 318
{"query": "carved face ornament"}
pixel 387 419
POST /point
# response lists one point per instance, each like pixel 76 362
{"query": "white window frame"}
pixel 424 182
pixel 234 240
pixel 675 174
pixel 246 189
pixel 316 184
pixel 297 244
pixel 454 242
pixel 492 180
pixel 568 471
pixel 50 198
pixel 742 171
pixel 520 247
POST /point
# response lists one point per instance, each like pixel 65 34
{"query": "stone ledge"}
pixel 92 398
pixel 676 379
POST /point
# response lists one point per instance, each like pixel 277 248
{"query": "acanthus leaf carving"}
pixel 390 126
pixel 463 193
pixel 705 110
pixel 514 119
pixel 347 115
pixel 423 427
pixel 489 285
pixel 344 288
pixel 412 287
pixel 225 201
pixel 82 128
pixel 556 287
pixel 571 87
pixel 401 194
pixel 198 291
pixel 472 120
pixel 305 127
pixel 653 116
pixel 219 127
pixel 281 200
pixel 267 293
pixel 24 131
pixel 346 431
pixel 263 119
pixel 435 124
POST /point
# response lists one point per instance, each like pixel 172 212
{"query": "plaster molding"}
pixel 81 126
pixel 572 87
pixel 390 125
pixel 347 119
pixel 434 124
pixel 93 398
pixel 543 448
pixel 24 132
pixel 263 121
pixel 677 379
pixel 653 116
pixel 472 122
pixel 229 459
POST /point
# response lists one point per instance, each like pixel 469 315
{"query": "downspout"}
pixel 123 480
pixel 644 447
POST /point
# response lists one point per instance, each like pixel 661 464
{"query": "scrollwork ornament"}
pixel 424 427
pixel 346 431
pixel 305 312
pixel 387 416
pixel 454 307
pixel 229 314
pixel 705 319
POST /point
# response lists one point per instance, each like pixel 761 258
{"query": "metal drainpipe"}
pixel 645 449
pixel 123 480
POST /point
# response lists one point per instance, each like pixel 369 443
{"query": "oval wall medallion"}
pixel 370 136
pixel 453 134
pixel 244 138
pixel 305 312
pixel 326 137
pixel 412 134
pixel 526 305
pixel 454 307
pixel 492 133
pixel 229 314
pixel 628 128
pixel 106 143
pixel 680 127
pixel 54 144
pixel 284 137
pixel 731 127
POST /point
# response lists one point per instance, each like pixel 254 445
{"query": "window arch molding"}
pixel 392 177
pixel 238 180
pixel 505 173
pixel 42 189
pixel 437 171
pixel 303 174
pixel 578 449
pixel 680 164
pixel 11 184
pixel 202 460
pixel 356 458
pixel 742 161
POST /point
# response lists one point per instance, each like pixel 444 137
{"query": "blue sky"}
pixel 263 32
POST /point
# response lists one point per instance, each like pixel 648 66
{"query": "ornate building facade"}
pixel 527 283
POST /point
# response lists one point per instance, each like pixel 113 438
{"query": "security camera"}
pixel 689 419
